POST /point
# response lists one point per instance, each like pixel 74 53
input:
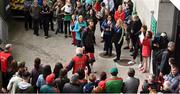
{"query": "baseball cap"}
pixel 113 70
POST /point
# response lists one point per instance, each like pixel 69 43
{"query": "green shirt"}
pixel 114 85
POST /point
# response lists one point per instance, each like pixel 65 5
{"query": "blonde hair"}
pixel 120 23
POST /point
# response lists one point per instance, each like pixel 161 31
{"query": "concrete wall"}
pixel 144 9
pixel 3 30
pixel 3 24
pixel 166 18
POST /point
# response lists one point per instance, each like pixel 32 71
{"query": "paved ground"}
pixel 58 49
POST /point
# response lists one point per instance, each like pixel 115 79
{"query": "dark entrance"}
pixel 177 51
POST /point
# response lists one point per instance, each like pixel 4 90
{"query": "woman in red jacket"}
pixel 119 14
pixel 146 50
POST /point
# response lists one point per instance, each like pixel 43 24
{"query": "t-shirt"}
pixel 114 85
pixel 40 82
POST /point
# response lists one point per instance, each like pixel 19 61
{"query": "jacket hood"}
pixel 23 85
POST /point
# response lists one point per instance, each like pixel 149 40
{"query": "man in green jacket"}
pixel 113 84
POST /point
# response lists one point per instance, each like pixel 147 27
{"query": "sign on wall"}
pixel 153 25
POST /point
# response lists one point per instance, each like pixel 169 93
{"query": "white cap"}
pixel 163 34
pixel 8 46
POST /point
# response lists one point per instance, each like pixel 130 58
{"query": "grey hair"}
pixel 171 45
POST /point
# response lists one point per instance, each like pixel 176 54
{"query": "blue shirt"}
pixel 40 81
pixel 89 2
pixel 77 29
pixel 173 80
pixel 105 26
pixel 40 2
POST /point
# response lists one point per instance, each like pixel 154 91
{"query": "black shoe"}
pixel 37 34
pixel 65 36
pixel 110 54
pixel 116 60
pixel 46 37
pixel 105 54
pixel 102 41
pixel 52 29
pixel 127 47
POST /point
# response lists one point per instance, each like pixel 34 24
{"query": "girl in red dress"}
pixel 146 50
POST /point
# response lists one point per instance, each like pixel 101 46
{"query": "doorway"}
pixel 177 51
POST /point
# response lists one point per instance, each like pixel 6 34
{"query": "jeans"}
pixel 60 26
pixel 67 27
pixel 78 43
pixel 108 43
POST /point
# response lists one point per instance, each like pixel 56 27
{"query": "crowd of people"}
pixel 16 78
pixel 77 19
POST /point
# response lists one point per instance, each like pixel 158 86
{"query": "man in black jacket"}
pixel 135 29
pixel 88 40
pixel 164 66
pixel 45 18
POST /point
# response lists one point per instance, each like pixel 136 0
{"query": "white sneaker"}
pixel 140 65
pixel 130 62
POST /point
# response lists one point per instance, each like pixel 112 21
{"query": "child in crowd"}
pixel 72 24
pixel 146 50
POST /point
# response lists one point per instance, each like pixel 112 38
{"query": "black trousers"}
pixel 28 20
pixel 60 26
pixel 137 47
pixel 107 43
pixel 67 27
pixel 4 80
pixel 36 26
pixel 118 49
pixel 46 26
